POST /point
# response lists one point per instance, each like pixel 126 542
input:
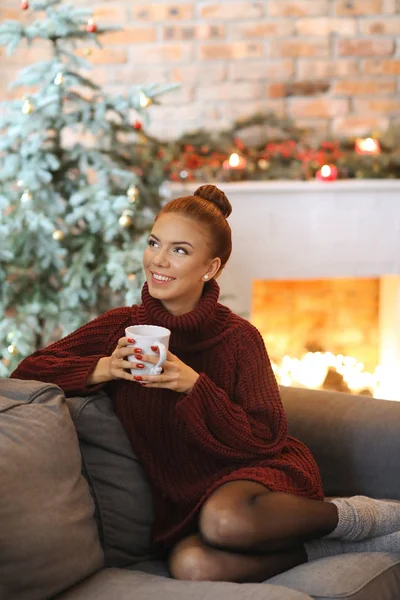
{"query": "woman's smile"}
pixel 159 279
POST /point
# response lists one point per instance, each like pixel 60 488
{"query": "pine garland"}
pixel 271 148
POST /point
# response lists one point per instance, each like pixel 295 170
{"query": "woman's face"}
pixel 176 260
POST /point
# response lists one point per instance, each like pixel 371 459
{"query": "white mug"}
pixel 146 336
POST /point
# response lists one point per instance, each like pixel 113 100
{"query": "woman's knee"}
pixel 229 518
pixel 190 561
pixel 224 525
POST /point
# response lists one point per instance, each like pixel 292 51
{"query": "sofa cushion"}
pixel 48 536
pixel 118 483
pixel 363 576
pixel 118 584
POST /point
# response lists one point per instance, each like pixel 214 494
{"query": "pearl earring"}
pixel 205 277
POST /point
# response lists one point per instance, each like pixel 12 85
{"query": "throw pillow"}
pixel 48 536
pixel 119 486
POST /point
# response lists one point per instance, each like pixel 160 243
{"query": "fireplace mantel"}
pixel 308 230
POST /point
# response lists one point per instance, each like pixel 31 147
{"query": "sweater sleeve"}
pixel 249 425
pixel 69 361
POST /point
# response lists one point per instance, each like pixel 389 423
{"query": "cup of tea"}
pixel 145 337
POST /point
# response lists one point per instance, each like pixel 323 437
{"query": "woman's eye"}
pixel 180 250
pixel 152 243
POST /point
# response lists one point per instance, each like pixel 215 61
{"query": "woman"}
pixel 236 498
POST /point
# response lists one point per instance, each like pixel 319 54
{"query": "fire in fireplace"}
pixel 327 333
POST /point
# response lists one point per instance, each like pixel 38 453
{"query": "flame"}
pixel 234 160
pixel 310 371
pixel 326 171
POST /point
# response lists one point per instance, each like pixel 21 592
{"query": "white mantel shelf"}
pixel 313 186
pixel 307 230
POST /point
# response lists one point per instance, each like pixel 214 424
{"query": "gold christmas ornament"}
pixel 87 51
pixel 27 107
pixel 26 196
pixel 12 349
pixel 144 100
pixel 125 220
pixel 131 276
pixel 133 193
pixel 58 235
pixel 263 164
pixel 59 79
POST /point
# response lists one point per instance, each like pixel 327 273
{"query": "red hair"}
pixel 209 206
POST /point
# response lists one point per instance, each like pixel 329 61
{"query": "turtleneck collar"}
pixel 191 330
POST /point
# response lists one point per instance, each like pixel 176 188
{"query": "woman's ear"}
pixel 213 269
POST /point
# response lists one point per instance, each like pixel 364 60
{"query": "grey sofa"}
pixel 355 441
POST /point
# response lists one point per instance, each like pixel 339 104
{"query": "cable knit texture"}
pixel 230 426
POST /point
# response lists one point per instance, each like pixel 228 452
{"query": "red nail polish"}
pixel 130 341
pixel 138 356
pixel 138 350
pixel 154 348
pixel 139 366
pixel 138 378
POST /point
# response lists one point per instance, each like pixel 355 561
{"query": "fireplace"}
pixel 303 241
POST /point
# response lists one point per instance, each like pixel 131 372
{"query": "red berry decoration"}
pixel 91 27
pixel 24 5
pixel 138 126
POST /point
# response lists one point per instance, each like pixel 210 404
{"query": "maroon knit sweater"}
pixel 230 426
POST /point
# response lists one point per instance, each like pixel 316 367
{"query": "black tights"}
pixel 248 533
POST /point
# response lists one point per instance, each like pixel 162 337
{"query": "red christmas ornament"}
pixel 24 5
pixel 138 126
pixel 91 27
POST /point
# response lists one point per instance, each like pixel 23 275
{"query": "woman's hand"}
pixel 118 361
pixel 176 375
pixel 114 366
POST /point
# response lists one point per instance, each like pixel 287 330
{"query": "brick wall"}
pixel 330 64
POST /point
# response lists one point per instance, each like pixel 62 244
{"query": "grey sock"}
pixel 361 517
pixel 323 547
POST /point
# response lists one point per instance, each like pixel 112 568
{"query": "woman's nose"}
pixel 161 258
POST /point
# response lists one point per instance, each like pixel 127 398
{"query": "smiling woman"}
pixel 235 498
pixel 190 243
pixel 176 270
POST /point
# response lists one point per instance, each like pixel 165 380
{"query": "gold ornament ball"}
pixel 131 276
pixel 263 164
pixel 133 193
pixel 87 51
pixel 26 196
pixel 58 235
pixel 27 107
pixel 12 349
pixel 125 221
pixel 59 79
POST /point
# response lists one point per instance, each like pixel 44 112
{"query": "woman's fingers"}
pixel 124 341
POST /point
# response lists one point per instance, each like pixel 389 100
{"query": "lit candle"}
pixel 235 161
pixel 327 173
pixel 367 146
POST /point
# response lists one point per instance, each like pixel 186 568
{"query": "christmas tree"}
pixel 80 182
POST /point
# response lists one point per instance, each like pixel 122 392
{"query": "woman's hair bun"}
pixel 216 196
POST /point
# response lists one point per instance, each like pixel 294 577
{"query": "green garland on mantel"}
pixel 270 148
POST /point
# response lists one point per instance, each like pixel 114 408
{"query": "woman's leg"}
pixel 193 560
pixel 245 516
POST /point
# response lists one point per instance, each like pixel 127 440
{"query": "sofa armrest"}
pixel 354 439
